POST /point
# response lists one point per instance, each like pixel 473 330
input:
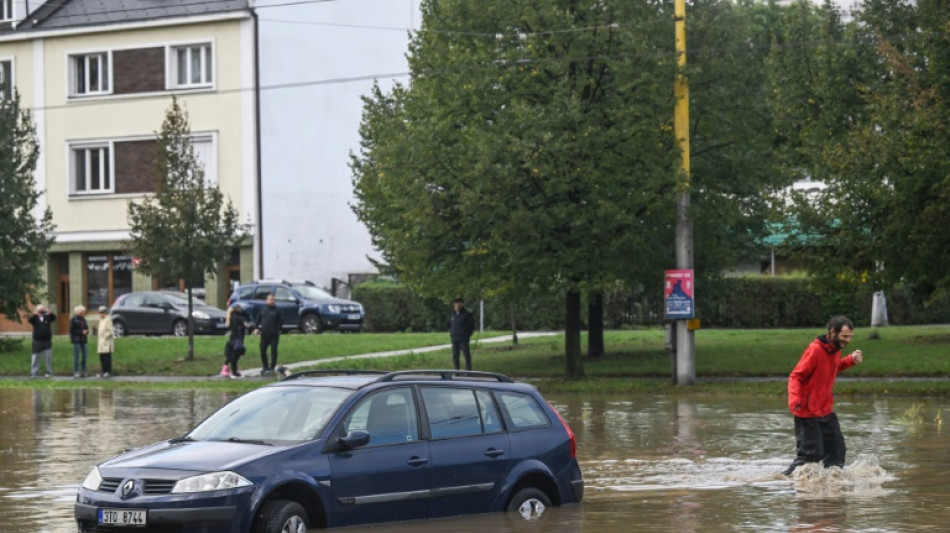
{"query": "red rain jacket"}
pixel 810 383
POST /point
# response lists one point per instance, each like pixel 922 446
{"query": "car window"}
pixel 283 294
pixel 310 292
pixel 491 418
pixel 152 300
pixel 523 410
pixel 261 292
pixel 274 415
pixel 243 293
pixel 181 299
pixel 132 300
pixel 388 416
pixel 455 412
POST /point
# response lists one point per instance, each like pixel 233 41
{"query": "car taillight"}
pixel 570 434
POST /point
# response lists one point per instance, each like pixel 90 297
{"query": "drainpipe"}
pixel 257 125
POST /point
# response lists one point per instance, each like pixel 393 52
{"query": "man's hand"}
pixel 857 356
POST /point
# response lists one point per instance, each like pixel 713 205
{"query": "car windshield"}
pixel 181 299
pixel 310 292
pixel 273 415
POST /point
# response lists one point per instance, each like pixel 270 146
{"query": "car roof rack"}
pixel 338 372
pixel 445 375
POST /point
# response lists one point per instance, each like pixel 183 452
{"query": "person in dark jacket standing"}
pixel 817 432
pixel 461 326
pixel 79 335
pixel 270 321
pixel 42 321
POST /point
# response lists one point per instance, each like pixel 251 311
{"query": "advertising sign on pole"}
pixel 678 294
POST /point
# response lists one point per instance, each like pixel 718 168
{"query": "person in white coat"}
pixel 106 341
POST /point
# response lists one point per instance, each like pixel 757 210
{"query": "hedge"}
pixel 748 302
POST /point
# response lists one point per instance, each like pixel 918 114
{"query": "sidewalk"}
pixel 425 349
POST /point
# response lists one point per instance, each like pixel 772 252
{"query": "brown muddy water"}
pixel 650 463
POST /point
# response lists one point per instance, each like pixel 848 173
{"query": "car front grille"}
pixel 152 486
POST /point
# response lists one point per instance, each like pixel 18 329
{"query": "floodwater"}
pixel 650 463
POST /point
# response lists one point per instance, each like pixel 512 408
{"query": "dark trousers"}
pixel 105 361
pixel 463 347
pixel 269 341
pixel 818 439
pixel 231 358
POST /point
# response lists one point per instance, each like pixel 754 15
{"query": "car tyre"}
pixel 311 324
pixel 282 516
pixel 180 328
pixel 118 328
pixel 530 503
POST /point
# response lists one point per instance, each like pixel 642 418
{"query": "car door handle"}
pixel 493 452
pixel 417 461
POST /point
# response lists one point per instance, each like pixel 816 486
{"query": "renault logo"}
pixel 127 488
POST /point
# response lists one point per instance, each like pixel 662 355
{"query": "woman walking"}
pixel 78 335
pixel 106 343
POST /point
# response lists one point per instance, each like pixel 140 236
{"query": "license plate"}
pixel 353 317
pixel 220 325
pixel 122 517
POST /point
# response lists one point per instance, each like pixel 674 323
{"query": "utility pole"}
pixel 685 347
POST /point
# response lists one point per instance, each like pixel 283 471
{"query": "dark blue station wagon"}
pixel 336 448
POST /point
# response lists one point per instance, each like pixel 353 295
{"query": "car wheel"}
pixel 118 328
pixel 180 328
pixel 311 324
pixel 530 503
pixel 282 516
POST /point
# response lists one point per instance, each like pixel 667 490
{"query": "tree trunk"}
pixel 514 329
pixel 572 337
pixel 595 325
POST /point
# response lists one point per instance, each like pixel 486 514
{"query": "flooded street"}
pixel 650 463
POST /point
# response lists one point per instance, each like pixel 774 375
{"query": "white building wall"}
pixel 317 60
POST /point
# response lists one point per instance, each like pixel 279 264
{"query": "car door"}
pixel 156 315
pixel 289 306
pixel 468 450
pixel 130 312
pixel 388 478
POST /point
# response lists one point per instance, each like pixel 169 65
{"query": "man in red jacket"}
pixel 817 433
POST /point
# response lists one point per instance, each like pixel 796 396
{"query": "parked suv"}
pixel 335 448
pixel 303 304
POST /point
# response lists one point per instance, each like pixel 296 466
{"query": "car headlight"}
pixel 335 309
pixel 210 482
pixel 200 314
pixel 93 480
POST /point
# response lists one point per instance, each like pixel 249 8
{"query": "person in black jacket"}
pixel 238 323
pixel 78 335
pixel 461 326
pixel 42 321
pixel 270 321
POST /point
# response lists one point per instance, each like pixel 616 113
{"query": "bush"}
pixel 11 344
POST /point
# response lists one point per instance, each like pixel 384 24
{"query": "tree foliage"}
pixel 533 151
pixel 26 231
pixel 186 230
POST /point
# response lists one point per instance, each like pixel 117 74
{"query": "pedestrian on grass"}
pixel 270 321
pixel 238 324
pixel 42 321
pixel 79 335
pixel 106 341
pixel 461 326
pixel 817 432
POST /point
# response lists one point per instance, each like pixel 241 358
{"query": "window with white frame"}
pixel 6 80
pixel 6 9
pixel 203 146
pixel 89 74
pixel 91 169
pixel 192 65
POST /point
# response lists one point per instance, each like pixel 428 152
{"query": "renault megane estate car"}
pixel 337 448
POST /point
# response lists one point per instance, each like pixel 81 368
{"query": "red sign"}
pixel 678 294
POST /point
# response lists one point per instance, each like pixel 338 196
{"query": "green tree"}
pixel 531 153
pixel 186 229
pixel 26 231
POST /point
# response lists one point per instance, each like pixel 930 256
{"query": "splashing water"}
pixel 862 477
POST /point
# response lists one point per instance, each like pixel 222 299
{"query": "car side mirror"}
pixel 354 439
